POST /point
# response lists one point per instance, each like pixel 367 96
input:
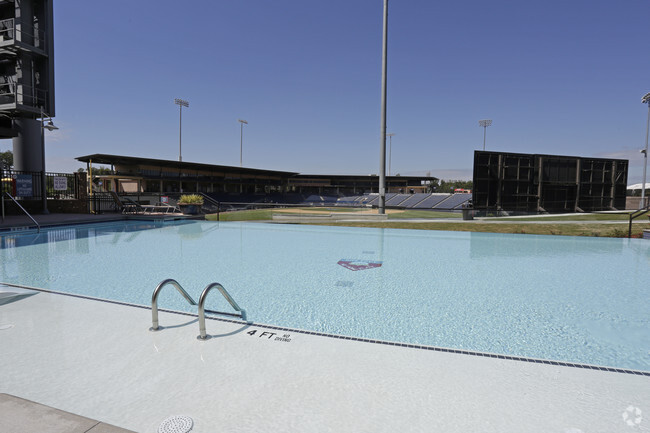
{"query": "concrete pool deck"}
pixel 21 222
pixel 99 360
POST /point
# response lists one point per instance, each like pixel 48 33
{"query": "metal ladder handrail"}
pixel 209 199
pixel 213 201
pixel 224 292
pixel 38 226
pixel 154 300
pixel 635 215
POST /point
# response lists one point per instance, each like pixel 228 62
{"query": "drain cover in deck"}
pixel 176 424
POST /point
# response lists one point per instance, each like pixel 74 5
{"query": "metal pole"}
pixel 484 123
pixel 43 180
pixel 241 140
pixel 390 152
pixel 181 103
pixel 382 157
pixel 484 132
pixel 645 152
pixel 180 132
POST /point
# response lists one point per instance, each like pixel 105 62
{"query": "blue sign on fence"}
pixel 24 185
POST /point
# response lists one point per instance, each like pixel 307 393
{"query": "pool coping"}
pixel 23 225
pixel 356 339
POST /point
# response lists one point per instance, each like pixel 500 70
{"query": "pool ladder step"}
pixel 240 312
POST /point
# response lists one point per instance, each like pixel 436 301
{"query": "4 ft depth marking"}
pixel 285 338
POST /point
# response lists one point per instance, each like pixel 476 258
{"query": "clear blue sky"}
pixel 557 77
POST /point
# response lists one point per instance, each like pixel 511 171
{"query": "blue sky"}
pixel 557 77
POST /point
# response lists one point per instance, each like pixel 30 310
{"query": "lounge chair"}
pixel 126 205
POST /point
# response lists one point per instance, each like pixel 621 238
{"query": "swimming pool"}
pixel 573 299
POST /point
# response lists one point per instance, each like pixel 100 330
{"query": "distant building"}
pixel 532 183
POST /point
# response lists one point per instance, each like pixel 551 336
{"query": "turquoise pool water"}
pixel 572 299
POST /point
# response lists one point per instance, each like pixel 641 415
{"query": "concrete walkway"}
pixel 18 415
pixel 99 360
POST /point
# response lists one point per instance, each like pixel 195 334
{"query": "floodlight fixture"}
pixel 181 103
pixel 484 123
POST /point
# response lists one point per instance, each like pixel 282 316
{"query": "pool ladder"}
pixel 202 334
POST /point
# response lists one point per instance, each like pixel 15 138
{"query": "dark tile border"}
pixel 359 339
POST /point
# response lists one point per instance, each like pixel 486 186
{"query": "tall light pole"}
pixel 382 153
pixel 50 127
pixel 645 100
pixel 241 140
pixel 390 149
pixel 484 123
pixel 181 103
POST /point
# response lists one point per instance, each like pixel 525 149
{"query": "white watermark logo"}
pixel 632 416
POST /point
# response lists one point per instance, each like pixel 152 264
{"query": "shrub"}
pixel 191 199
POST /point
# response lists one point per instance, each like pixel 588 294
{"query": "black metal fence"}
pixel 101 202
pixel 28 184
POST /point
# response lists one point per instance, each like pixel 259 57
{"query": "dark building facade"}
pixel 26 77
pixel 533 183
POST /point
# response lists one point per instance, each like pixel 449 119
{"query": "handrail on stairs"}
pixel 38 226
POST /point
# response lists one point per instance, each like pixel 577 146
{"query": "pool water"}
pixel 572 299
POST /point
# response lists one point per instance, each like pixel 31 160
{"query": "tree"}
pixel 97 170
pixel 448 186
pixel 7 159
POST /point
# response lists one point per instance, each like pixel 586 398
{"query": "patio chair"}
pixel 125 205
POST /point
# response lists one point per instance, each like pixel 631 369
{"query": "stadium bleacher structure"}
pixel 431 201
pixel 397 199
pixel 419 201
pixel 414 199
pixel 454 201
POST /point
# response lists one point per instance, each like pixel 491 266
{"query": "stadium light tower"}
pixel 390 149
pixel 181 103
pixel 484 123
pixel 382 153
pixel 241 139
pixel 645 100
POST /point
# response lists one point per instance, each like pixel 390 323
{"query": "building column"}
pixel 27 149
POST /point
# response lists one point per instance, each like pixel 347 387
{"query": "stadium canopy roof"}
pixel 100 158
pixel 639 186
